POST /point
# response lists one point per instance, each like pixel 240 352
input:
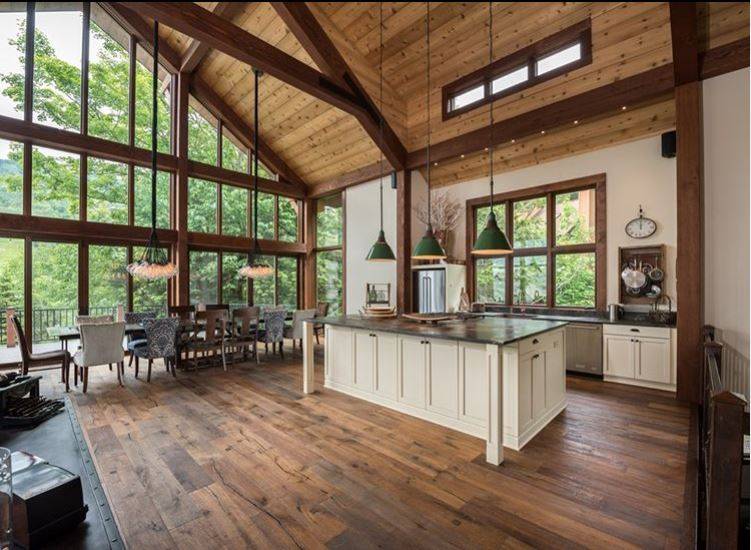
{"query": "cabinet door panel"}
pixel 473 384
pixel 619 356
pixel 555 372
pixel 412 371
pixel 525 391
pixel 538 384
pixel 443 377
pixel 364 358
pixel 340 349
pixel 387 357
pixel 653 360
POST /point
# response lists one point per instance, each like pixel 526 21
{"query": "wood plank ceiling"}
pixel 321 142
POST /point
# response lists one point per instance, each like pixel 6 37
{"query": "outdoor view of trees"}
pixel 329 261
pixel 574 273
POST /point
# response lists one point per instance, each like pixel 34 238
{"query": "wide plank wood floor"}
pixel 244 459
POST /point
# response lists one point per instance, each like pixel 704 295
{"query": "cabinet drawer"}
pixel 535 344
pixel 634 331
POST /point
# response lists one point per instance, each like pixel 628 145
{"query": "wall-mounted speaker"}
pixel 668 145
pixel 393 180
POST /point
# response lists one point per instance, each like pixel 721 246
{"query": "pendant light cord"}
pixel 380 100
pixel 490 145
pixel 154 82
pixel 427 27
pixel 257 75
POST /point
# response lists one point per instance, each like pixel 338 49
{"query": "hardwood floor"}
pixel 244 459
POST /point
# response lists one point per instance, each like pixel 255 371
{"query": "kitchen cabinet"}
pixel 411 369
pixel 384 384
pixel 365 356
pixel 443 377
pixel 640 356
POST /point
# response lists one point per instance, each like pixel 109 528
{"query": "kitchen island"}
pixel 502 380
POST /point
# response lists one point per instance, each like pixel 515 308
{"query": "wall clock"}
pixel 641 227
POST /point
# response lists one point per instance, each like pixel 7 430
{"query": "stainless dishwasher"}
pixel 584 348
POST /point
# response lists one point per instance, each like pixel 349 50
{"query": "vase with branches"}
pixel 445 214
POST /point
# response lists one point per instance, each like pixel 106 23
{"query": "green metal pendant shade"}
pixel 491 241
pixel 381 251
pixel 428 248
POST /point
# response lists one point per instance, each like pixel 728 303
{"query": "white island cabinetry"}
pixel 449 381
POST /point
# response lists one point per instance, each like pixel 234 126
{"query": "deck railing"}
pixel 44 319
pixel 721 432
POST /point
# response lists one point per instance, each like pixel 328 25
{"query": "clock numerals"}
pixel 640 228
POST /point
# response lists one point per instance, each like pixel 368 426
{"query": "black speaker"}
pixel 393 180
pixel 668 145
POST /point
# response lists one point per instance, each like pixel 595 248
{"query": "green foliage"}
pixel 107 191
pixel 288 209
pixel 201 206
pixel 142 197
pixel 108 88
pixel 108 287
pixel 234 210
pixel 11 178
pixel 264 289
pixel 234 285
pixel 203 277
pixel 54 183
pixel 265 216
pixel 329 272
pixel 202 138
pixel 233 158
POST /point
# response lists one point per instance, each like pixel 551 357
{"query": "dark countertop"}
pixel 491 330
pixel 628 318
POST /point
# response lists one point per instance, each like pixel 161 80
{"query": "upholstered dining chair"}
pixel 31 360
pixel 101 344
pixel 244 333
pixel 136 339
pixel 94 319
pixel 294 332
pixel 273 329
pixel 161 343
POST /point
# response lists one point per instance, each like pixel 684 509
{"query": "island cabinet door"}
pixel 473 384
pixel 387 359
pixel 364 353
pixel 412 363
pixel 555 371
pixel 443 377
pixel 524 395
pixel 339 348
pixel 538 384
pixel 618 356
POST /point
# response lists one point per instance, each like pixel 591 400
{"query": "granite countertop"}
pixel 629 318
pixel 482 330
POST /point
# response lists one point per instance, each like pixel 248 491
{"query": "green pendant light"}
pixel 381 251
pixel 428 248
pixel 491 241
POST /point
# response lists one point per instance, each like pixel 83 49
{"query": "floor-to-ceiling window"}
pixel 329 252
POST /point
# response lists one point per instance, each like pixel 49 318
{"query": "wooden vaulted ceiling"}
pixel 321 142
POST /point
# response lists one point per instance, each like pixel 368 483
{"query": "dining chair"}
pixel 273 329
pixel 161 343
pixel 244 331
pixel 322 310
pixel 94 319
pixel 209 334
pixel 101 344
pixel 294 332
pixel 213 307
pixel 31 360
pixel 138 338
pixel 183 312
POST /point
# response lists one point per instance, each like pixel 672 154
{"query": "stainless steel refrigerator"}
pixel 429 287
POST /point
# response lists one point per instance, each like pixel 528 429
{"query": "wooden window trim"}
pixel 552 250
pixel 580 32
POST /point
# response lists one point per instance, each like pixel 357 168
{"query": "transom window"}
pixel 558 235
pixel 563 51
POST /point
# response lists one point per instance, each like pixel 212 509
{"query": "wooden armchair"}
pixel 244 334
pixel 209 335
pixel 322 310
pixel 30 360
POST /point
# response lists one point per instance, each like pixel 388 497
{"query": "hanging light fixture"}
pixel 381 251
pixel 256 267
pixel 428 248
pixel 154 263
pixel 491 241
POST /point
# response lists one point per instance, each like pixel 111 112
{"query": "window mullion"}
pixel 85 68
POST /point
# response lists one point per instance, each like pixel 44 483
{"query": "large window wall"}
pixel 329 253
pixel 558 235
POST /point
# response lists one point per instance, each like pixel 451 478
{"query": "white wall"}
pixel 636 174
pixel 726 209
pixel 419 197
pixel 362 213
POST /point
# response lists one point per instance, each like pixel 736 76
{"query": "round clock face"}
pixel 640 228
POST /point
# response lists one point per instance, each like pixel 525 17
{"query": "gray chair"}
pixel 295 331
pixel 94 319
pixel 136 339
pixel 273 329
pixel 161 343
pixel 101 344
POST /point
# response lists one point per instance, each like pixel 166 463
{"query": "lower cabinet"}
pixel 639 356
pixel 443 377
pixel 411 369
pixel 387 360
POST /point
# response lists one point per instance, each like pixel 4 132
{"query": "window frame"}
pixel 318 249
pixel 578 33
pixel 598 246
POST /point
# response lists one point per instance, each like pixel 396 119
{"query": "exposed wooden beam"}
pixel 361 175
pixel 641 88
pixel 193 20
pixel 724 59
pixel 198 50
pixel 223 175
pixel 317 43
pixel 684 33
pixel 235 243
pixel 135 24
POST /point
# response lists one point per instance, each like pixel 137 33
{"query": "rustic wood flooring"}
pixel 244 459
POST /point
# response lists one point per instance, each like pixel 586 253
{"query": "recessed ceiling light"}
pixel 543 132
pixel 462 156
pixel 576 122
pixel 623 108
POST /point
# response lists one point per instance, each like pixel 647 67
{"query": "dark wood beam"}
pixel 196 22
pixel 309 265
pixel 319 46
pixel 684 33
pixel 235 124
pixel 180 203
pixel 223 175
pixel 361 175
pixel 724 59
pixel 650 85
pixel 232 243
pixel 404 242
pixel 198 50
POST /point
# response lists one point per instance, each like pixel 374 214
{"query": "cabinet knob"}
pixel 535 356
pixel 634 330
pixel 535 341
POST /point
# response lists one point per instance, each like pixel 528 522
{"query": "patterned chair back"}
pixel 273 320
pixel 213 325
pixel 137 318
pixel 245 321
pixel 161 337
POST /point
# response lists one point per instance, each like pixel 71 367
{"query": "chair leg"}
pixel 224 360
pixel 66 373
pixel 136 367
pixel 75 375
pixel 110 367
pixel 148 375
pixel 281 349
pixel 317 340
pixel 119 378
pixel 173 364
pixel 85 376
pixel 130 361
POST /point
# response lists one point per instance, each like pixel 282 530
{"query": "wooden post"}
pixel 308 358
pixel 309 266
pixel 404 241
pixel 494 439
pixel 10 329
pixel 181 198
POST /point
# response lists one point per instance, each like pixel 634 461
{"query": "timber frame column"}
pixel 309 266
pixel 404 241
pixel 182 293
pixel 684 22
